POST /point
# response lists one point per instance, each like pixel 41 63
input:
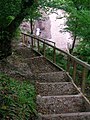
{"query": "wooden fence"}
pixel 71 61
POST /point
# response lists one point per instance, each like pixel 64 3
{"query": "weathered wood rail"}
pixel 72 61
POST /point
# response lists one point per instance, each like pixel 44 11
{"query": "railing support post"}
pixel 32 42
pixel 84 79
pixel 44 48
pixel 54 54
pixel 68 64
pixel 38 46
pixel 23 39
pixel 26 40
pixel 74 71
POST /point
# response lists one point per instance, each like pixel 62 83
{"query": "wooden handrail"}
pixel 38 38
pixel 69 58
pixel 86 65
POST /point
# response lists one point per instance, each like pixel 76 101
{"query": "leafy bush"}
pixel 83 50
pixel 17 99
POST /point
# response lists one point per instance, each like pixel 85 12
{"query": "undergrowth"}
pixel 17 99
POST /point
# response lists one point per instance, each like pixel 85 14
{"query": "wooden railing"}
pixel 72 62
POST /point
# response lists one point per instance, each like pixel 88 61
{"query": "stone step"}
pixel 67 116
pixel 60 104
pixel 59 76
pixel 26 52
pixel 41 65
pixel 56 88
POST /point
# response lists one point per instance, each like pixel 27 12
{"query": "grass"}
pixel 17 99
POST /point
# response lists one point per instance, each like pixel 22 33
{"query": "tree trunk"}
pixel 5 46
pixel 31 24
pixel 73 44
pixel 74 37
pixel 6 34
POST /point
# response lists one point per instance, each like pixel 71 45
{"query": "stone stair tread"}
pixel 60 104
pixel 26 52
pixel 41 65
pixel 54 83
pixel 56 88
pixel 59 76
pixel 61 96
pixel 54 72
pixel 66 116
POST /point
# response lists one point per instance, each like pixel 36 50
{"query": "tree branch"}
pixel 19 18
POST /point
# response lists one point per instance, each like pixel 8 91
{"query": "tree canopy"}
pixel 78 19
pixel 12 12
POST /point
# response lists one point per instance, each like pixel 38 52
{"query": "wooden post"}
pixel 24 39
pixel 54 54
pixel 68 63
pixel 84 79
pixel 44 47
pixel 38 46
pixel 74 71
pixel 32 42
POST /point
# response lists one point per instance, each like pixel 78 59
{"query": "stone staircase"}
pixel 61 101
pixel 58 98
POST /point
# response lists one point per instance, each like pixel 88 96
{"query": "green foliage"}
pixel 8 8
pixel 83 51
pixel 17 34
pixel 79 24
pixel 17 99
pixel 78 18
pixel 9 19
